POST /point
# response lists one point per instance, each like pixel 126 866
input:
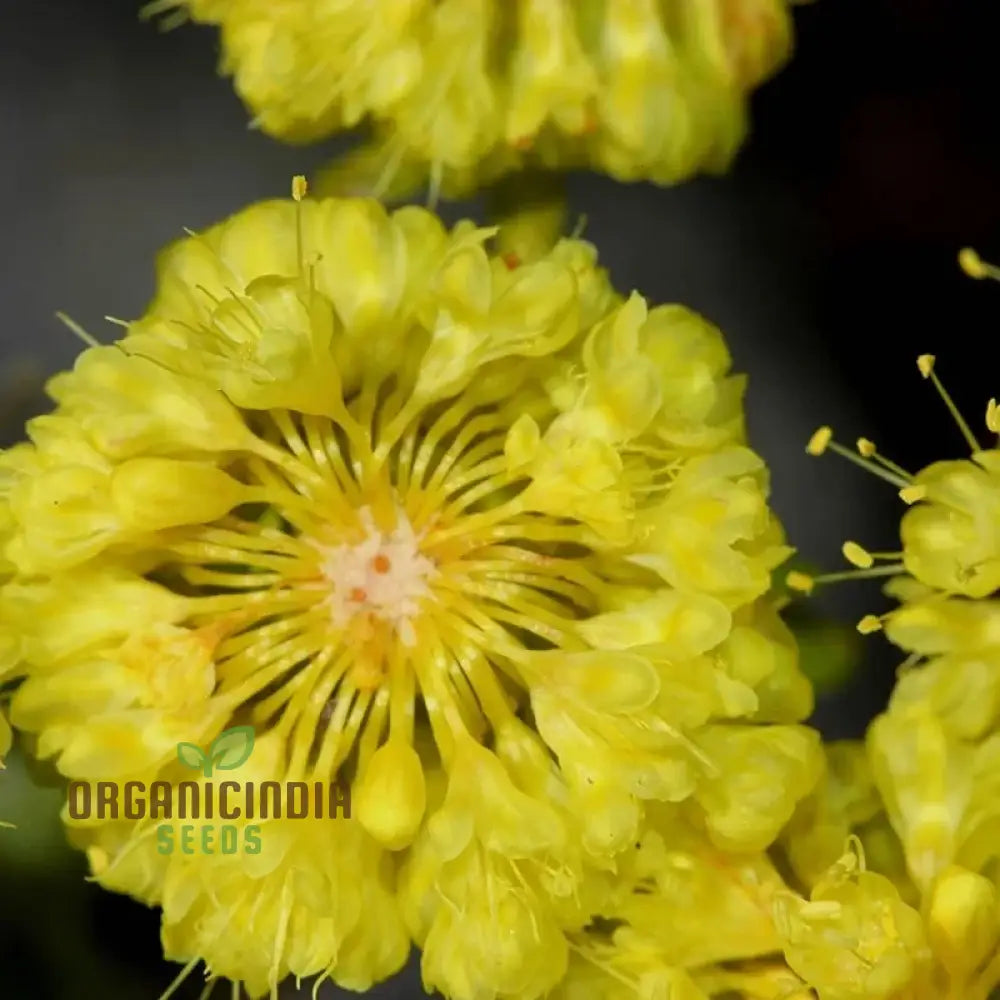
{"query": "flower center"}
pixel 384 576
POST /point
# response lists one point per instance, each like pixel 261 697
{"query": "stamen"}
pixel 78 330
pixel 822 440
pixel 870 624
pixel 913 494
pixel 300 188
pixel 176 984
pixel 819 441
pixel 866 448
pixel 993 416
pixel 857 556
pixel 975 267
pixel 802 582
pixel 805 583
pixel 925 363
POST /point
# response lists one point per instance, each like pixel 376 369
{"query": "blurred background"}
pixel 827 257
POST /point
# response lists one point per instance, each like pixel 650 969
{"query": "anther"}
pixel 300 187
pixel 870 624
pixel 975 267
pixel 801 582
pixel 913 494
pixel 381 563
pixel 857 556
pixel 866 448
pixel 357 595
pixel 511 260
pixel 819 442
pixel 993 416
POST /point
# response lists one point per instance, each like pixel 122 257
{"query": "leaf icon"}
pixel 191 756
pixel 231 748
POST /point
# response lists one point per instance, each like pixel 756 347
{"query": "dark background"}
pixel 828 258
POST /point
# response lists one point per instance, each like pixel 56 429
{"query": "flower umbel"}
pixel 934 755
pixel 471 89
pixel 476 535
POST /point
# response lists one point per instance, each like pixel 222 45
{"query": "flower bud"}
pixel 392 795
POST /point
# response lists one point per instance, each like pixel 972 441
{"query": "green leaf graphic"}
pixel 232 747
pixel 191 756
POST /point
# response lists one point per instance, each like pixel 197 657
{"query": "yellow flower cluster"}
pixel 472 533
pixel 932 928
pixel 471 89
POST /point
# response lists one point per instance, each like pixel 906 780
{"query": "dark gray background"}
pixel 827 257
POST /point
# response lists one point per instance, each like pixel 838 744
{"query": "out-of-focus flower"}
pixel 684 920
pixel 855 939
pixel 472 533
pixel 467 90
pixel 934 755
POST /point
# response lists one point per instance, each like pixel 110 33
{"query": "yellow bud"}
pixel 819 441
pixel 869 624
pixel 971 263
pixel 866 448
pixel 150 494
pixel 963 924
pixel 801 582
pixel 392 795
pixel 926 364
pixel 857 556
pixel 912 494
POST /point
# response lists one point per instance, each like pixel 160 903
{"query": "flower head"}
pixel 471 89
pixel 482 540
pixel 934 754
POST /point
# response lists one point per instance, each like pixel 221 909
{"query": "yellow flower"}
pixel 855 939
pixel 934 754
pixel 472 89
pixel 684 919
pixel 479 537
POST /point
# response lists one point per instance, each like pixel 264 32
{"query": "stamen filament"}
pixel 869 466
pixel 926 365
